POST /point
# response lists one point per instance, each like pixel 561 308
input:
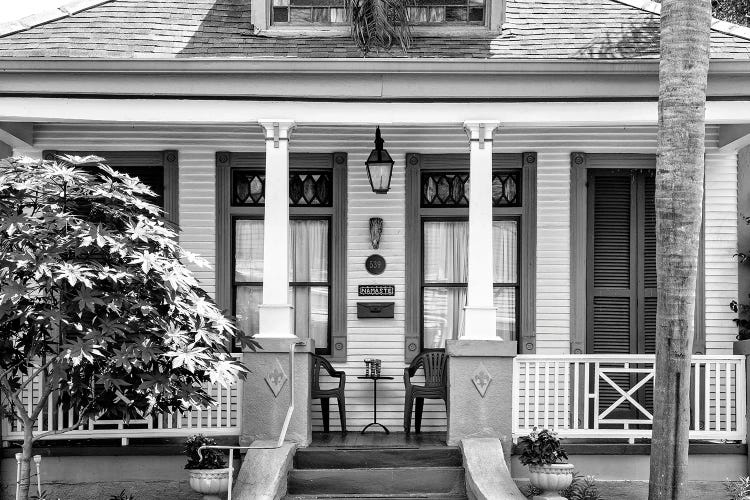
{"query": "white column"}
pixel 275 311
pixel 480 310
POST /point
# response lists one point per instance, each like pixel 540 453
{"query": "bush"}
pixel 208 458
pixel 582 488
pixel 739 489
pixel 541 448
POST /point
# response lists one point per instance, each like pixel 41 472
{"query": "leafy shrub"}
pixel 208 459
pixel 739 489
pixel 541 448
pixel 122 496
pixel 582 488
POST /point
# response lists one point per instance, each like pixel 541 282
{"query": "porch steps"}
pixel 393 473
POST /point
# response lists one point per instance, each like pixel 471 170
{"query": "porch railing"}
pixel 223 418
pixel 611 396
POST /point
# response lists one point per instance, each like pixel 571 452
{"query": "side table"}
pixel 375 403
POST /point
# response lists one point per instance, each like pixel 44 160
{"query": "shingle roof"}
pixel 541 29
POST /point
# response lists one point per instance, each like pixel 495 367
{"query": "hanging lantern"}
pixel 379 166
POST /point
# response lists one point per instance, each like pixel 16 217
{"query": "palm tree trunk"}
pixel 683 73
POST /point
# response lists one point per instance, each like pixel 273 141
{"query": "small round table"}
pixel 375 403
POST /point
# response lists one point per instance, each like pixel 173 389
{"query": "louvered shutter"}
pixel 612 293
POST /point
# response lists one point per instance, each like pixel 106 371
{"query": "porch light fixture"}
pixel 379 166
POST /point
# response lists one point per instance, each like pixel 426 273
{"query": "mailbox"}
pixel 374 309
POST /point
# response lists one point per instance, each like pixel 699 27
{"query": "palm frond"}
pixel 379 24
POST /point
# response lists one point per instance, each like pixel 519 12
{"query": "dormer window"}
pixel 333 12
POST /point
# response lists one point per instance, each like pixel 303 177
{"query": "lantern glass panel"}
pixel 380 176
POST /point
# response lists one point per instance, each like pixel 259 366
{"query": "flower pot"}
pixel 550 479
pixel 211 483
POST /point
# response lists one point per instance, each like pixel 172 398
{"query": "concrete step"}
pixel 416 496
pixel 398 482
pixel 375 458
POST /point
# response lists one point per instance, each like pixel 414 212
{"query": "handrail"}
pixel 284 428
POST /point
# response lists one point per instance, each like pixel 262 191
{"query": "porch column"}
pixel 480 375
pixel 267 388
pixel 275 311
pixel 479 315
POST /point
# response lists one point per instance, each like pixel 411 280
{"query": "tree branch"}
pixel 37 372
pixel 81 419
pixel 15 400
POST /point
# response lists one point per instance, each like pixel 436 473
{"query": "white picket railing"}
pixel 600 396
pixel 222 418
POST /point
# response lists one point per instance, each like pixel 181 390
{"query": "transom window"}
pixel 421 12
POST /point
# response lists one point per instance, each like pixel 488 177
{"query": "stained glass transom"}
pixel 450 189
pixel 301 12
pixel 309 12
pixel 305 188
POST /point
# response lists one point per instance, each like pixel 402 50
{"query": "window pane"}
pixel 308 251
pixel 504 299
pixel 505 250
pixel 247 301
pixel 248 250
pixel 310 313
pixel 446 251
pixel 443 315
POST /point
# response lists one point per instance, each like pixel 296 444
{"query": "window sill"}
pixel 344 31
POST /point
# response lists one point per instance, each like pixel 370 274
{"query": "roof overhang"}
pixel 355 79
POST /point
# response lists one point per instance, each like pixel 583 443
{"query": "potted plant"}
pixel 548 470
pixel 209 474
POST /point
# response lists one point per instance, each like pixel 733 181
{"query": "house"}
pixel 254 120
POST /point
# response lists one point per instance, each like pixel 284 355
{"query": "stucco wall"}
pixel 99 477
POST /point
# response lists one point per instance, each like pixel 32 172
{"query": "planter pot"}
pixel 550 479
pixel 213 484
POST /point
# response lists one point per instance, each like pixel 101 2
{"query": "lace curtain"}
pixel 308 264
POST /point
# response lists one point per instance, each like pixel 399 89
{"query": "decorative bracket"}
pixel 277 130
pixel 481 131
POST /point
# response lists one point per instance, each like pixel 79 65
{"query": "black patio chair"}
pixel 325 394
pixel 434 364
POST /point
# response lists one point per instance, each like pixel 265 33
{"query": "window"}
pixel 334 12
pixel 316 244
pixel 309 284
pixel 156 169
pixel 439 190
pixel 444 278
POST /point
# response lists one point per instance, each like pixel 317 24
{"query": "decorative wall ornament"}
pixel 481 379
pixel 376 230
pixel 276 378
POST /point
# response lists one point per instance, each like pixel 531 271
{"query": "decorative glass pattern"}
pixel 447 12
pixel 449 189
pixel 300 12
pixel 305 188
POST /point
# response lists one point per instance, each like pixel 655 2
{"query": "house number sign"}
pixel 375 264
pixel 376 290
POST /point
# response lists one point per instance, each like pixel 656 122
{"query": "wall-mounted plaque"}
pixel 375 264
pixel 376 290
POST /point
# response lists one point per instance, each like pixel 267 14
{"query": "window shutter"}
pixel 338 256
pixel 611 297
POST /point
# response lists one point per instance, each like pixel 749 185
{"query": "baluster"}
pixel 696 396
pixel 566 394
pixel 576 391
pixel 728 396
pixel 586 394
pixel 707 398
pixel 536 393
pixel 596 395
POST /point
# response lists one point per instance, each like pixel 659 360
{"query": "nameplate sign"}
pixel 376 290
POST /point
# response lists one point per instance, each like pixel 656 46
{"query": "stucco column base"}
pixel 263 413
pixel 470 414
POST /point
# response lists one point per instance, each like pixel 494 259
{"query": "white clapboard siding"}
pixel 383 339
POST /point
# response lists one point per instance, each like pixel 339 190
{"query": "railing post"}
pixel 742 347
